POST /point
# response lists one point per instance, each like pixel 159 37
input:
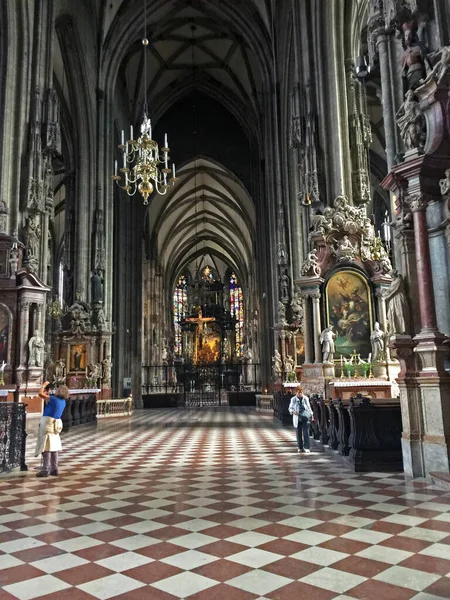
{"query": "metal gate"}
pixel 200 385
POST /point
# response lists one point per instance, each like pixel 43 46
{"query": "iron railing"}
pixel 201 384
pixel 13 436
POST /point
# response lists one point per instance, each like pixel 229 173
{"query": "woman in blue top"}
pixel 48 442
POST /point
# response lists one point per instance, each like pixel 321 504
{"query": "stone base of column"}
pixel 431 352
pixel 434 386
pixel 402 347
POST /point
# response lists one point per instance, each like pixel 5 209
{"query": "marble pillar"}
pixel 434 382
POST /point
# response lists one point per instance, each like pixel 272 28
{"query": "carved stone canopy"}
pixel 344 234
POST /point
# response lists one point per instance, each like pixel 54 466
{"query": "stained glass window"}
pixel 237 311
pixel 179 311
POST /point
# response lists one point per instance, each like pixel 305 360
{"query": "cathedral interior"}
pixel 203 204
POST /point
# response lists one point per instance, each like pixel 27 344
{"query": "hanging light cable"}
pixel 142 157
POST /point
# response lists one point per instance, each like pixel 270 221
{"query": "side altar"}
pixel 353 303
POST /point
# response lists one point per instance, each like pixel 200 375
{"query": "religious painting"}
pixel 349 311
pixel 77 357
pixel 207 343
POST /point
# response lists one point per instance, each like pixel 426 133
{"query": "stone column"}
pixel 418 204
pixel 382 44
pixel 307 330
pixel 439 264
pixel 317 326
pixel 433 380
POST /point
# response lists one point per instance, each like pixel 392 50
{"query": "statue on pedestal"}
pixel 36 351
pixel 414 57
pixel 282 313
pixel 377 343
pixel 327 338
pixel 277 364
pixel 60 370
pixel 297 308
pixel 106 370
pixel 398 310
pixel 289 364
pixel 96 287
pixel 346 250
pixel 411 122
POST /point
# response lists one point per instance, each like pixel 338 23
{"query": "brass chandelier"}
pixel 142 157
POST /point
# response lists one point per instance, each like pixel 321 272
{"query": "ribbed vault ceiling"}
pixel 209 212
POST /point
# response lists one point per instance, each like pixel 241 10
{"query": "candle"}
pixel 370 358
pixel 131 132
pixel 115 167
pixel 341 360
pixel 123 137
pixel 165 141
pixel 173 170
pixel 124 160
pixel 150 128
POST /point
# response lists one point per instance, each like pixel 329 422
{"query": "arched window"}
pixel 179 311
pixel 237 311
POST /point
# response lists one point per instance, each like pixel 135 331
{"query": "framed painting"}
pixel 349 311
pixel 77 357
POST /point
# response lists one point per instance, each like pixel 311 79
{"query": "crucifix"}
pixel 200 319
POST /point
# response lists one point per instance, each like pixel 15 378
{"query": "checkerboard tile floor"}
pixel 216 505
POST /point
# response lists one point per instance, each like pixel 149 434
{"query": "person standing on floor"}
pixel 300 409
pixel 50 426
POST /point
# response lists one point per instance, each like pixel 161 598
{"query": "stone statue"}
pixel 33 236
pixel 101 319
pixel 377 343
pixel 398 310
pixel 327 338
pixel 346 250
pixel 60 370
pixel 277 364
pixel 96 287
pixel 282 313
pixel 284 286
pixel 289 363
pixel 94 372
pixel 311 265
pixel 414 57
pixel 79 318
pixel 411 122
pixel 106 370
pixel 445 183
pixel 297 308
pixel 441 68
pixel 36 347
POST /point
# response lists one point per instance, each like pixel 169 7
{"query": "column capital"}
pixel 24 305
pixel 418 202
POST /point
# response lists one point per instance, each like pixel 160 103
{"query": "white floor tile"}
pixel 110 586
pixel 333 580
pixel 408 578
pixel 39 586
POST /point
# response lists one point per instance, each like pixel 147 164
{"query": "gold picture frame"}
pixel 349 311
pixel 77 357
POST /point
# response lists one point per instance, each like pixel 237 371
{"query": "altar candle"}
pixel 123 137
pixel 165 141
pixel 131 132
pixel 370 357
pixel 173 170
pixel 341 361
pixel 124 160
pixel 115 167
